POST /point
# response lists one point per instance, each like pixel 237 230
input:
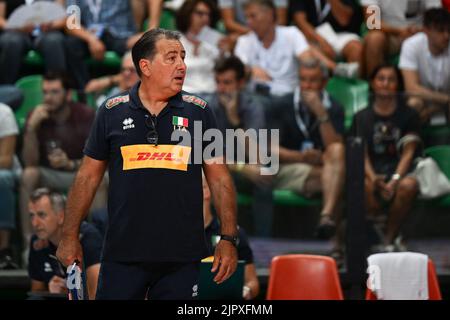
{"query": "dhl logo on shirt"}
pixel 164 156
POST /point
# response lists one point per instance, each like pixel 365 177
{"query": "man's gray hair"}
pixel 312 63
pixel 57 200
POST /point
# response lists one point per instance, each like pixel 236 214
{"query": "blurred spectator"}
pixel 212 235
pixel 236 108
pixel 233 16
pixel 399 20
pixel 55 134
pixel 47 39
pixel 105 25
pixel 11 96
pixel 141 8
pixel 311 144
pixel 272 52
pixel 425 64
pixel 446 4
pixel 114 84
pixel 46 210
pixel 192 17
pixel 391 133
pixel 9 173
pixel 332 26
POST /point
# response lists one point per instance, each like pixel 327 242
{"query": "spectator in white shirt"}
pixel 425 64
pixel 400 19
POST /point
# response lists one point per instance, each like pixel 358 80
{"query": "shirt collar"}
pixel 175 101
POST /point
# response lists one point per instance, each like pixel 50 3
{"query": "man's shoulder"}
pixel 417 41
pixel 194 100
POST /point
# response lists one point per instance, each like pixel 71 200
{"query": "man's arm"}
pixel 7 148
pixel 251 281
pixel 92 280
pixel 2 15
pixel 154 16
pixel 38 286
pixel 341 12
pixel 80 198
pixel 413 87
pixel 224 196
pixel 30 150
pixel 230 23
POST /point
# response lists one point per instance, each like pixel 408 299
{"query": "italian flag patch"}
pixel 180 121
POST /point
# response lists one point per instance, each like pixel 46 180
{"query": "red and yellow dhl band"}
pixel 142 156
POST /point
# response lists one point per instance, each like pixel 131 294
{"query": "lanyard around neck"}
pixel 94 7
pixel 322 13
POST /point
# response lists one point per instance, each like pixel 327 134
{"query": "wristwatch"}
pixel 396 176
pixel 234 240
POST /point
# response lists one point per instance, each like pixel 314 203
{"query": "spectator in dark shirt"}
pixel 391 132
pixel 46 209
pixel 311 144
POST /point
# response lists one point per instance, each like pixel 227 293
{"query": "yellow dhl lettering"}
pixel 143 156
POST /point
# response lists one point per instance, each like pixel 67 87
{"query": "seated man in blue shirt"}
pixel 311 127
pixel 46 272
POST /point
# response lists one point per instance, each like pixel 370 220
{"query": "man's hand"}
pixel 57 285
pixel 260 74
pixel 225 260
pixel 58 160
pixel 313 102
pixel 39 114
pixel 326 48
pixel 97 49
pixel 69 250
pixel 312 157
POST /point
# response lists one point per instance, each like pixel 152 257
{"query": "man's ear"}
pixel 146 67
pixel 60 215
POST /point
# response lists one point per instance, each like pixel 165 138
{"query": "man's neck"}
pixel 268 37
pixel 152 101
pixel 434 51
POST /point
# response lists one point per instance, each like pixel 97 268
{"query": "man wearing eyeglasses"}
pixel 155 238
pixel 46 210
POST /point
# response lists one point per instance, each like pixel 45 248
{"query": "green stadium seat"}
pixel 353 94
pixel 32 90
pixel 441 154
pixel 33 58
pixel 111 60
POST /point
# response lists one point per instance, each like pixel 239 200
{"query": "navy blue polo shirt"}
pixel 155 205
pixel 43 264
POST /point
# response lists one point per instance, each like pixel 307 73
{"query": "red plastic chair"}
pixel 304 277
pixel 434 293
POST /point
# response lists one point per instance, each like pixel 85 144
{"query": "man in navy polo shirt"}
pixel 46 210
pixel 155 240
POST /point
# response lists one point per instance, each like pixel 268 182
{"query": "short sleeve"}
pixel 298 40
pixel 408 55
pixel 91 243
pixel 281 3
pixel 97 145
pixel 243 49
pixel 209 122
pixel 8 125
pixel 413 125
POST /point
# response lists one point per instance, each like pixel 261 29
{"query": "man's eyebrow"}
pixel 175 51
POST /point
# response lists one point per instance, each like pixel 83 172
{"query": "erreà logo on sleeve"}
pixel 143 156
